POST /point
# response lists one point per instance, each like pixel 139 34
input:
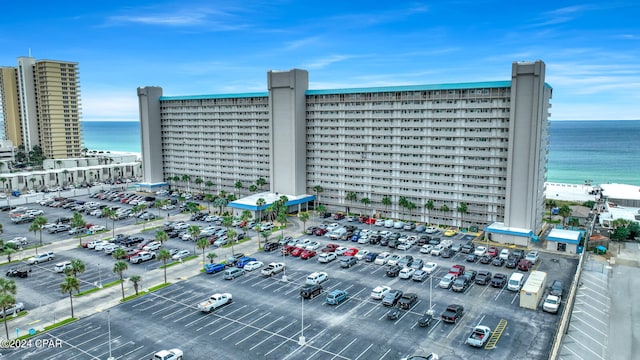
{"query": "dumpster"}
pixel 600 250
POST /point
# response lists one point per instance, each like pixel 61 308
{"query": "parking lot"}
pixel 266 316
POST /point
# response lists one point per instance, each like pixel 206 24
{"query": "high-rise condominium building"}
pixel 41 106
pixel 460 154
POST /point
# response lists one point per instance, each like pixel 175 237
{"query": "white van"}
pixel 515 281
pixel 388 223
pixel 232 273
pixel 317 278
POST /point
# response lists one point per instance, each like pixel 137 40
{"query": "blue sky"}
pixel 592 50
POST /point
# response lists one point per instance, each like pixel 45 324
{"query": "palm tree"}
pixel 78 222
pixel 3 180
pixel 410 205
pixel 551 204
pixel 402 202
pixel 260 203
pixel 220 202
pixel 187 178
pixel 119 254
pixel 318 190
pixel 366 202
pixel 37 225
pixel 8 291
pixel 304 217
pixel 203 244
pixel 444 209
pixel 135 279
pixel 32 180
pixel 209 184
pixel 282 219
pixel 564 211
pixel 386 201
pixel 209 199
pixel 164 255
pixel 261 182
pixel 119 267
pixel 66 177
pixel 198 181
pixel 462 209
pixel 211 256
pixel 77 267
pixel 194 231
pixel 253 188
pixel 238 185
pixel 321 209
pixel 68 286
pixel 429 206
pixel 109 213
pixel 161 236
pixel 58 162
pixel 351 196
pixel 231 235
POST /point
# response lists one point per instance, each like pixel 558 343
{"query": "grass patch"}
pixel 21 313
pixel 236 243
pixel 152 228
pixel 142 293
pixel 179 262
pixel 47 328
pixel 92 290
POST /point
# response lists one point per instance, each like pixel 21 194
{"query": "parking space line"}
pixel 455 326
pixel 385 354
pixel 604 323
pixel 240 328
pixel 363 352
pixel 260 329
pixel 345 348
pixel 319 349
pixel 212 322
pixel 574 353
pixel 289 339
pixel 71 346
pixel 124 356
pixel 238 320
pixel 591 306
pixel 585 346
pixel 270 336
pixel 576 328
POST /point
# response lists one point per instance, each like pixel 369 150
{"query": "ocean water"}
pixel 597 151
pixel 112 135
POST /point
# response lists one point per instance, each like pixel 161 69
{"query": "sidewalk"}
pixel 104 299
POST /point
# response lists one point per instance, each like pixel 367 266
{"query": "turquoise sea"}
pixel 597 151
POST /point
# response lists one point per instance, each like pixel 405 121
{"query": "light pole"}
pixel 430 311
pixel 99 276
pixel 109 327
pixel 284 271
pixel 301 339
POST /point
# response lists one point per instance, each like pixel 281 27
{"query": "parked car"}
pixel 420 275
pixel 483 277
pixel 348 261
pixel 181 254
pixel 307 254
pixel 46 256
pixel 557 288
pixel 524 265
pixel 532 257
pixel 447 281
pixel 392 297
pixel 498 280
pixel 335 297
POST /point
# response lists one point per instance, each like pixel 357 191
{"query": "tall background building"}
pixel 41 106
pixel 458 154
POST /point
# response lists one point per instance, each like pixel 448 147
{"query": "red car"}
pixel 286 250
pixel 320 231
pixel 330 248
pixel 307 254
pixel 370 221
pixel 351 252
pixel 296 251
pixel 457 270
pixel 362 218
pixel 492 251
pixel 338 216
pixel 524 265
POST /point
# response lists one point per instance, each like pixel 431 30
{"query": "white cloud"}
pixel 326 61
pixel 109 106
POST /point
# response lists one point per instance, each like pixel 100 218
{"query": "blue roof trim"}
pixel 454 86
pixel 301 200
pixel 239 205
pixel 509 232
pixel 214 96
pixel 147 185
pixel 565 240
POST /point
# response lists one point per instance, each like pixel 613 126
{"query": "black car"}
pixel 434 241
pixel 485 259
pixel 406 261
pixel 384 241
pixel 407 301
pixel 557 288
pixel 393 243
pixel 423 239
pixel 446 253
pixel 309 291
pixel 483 277
pixel 393 314
pixel 425 320
pixel 498 280
pixel 461 284
pixel 518 254
pixel 21 273
pixel 470 274
pixel 511 262
pixel 497 261
pixel 270 246
pixel 471 258
pixel 393 270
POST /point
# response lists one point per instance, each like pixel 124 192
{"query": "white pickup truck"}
pixel 272 269
pixel 173 354
pixel 479 336
pixel 214 302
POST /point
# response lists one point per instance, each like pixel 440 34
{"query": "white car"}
pixel 95 228
pixel 430 267
pixel 431 230
pixel 379 292
pixel 100 245
pixel 504 254
pixel 181 226
pixel 253 265
pixel 532 257
pixel 152 246
pixel 426 248
pixel 302 243
pixel 181 254
pixel 480 250
pixel 60 267
pixel 406 273
pixel 314 245
pixel 361 254
pixel 436 250
pixel 382 258
pixel 404 246
pixel 393 259
pixel 317 278
pixel 340 250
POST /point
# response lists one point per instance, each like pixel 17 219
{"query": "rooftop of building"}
pixel 620 191
pixel 249 202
